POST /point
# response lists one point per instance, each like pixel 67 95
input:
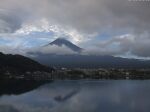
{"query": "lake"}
pixel 82 96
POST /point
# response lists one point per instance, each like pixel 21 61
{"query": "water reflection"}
pixel 82 96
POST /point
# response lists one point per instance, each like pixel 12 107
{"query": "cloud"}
pixel 44 25
pixel 52 49
pixel 81 21
pixel 85 16
pixel 9 22
pixel 126 45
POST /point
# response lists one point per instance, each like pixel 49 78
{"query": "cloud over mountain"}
pixel 82 21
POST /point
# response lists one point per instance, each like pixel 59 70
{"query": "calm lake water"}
pixel 82 96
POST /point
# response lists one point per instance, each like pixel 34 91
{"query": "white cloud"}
pixel 52 49
pixel 43 25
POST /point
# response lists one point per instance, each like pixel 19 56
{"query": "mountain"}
pixel 14 66
pixel 62 41
pixel 90 61
pixel 84 61
pixel 18 64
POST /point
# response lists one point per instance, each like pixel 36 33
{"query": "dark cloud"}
pixel 84 15
pixel 9 22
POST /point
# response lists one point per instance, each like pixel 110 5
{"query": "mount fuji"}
pixel 79 60
pixel 64 42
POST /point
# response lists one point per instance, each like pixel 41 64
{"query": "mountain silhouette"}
pixel 62 41
pixel 80 60
pixel 19 63
pixel 90 61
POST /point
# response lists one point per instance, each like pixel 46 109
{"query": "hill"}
pixel 16 64
pixel 90 61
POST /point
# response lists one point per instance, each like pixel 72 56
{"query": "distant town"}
pixel 78 74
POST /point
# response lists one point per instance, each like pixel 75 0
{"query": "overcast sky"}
pixel 113 27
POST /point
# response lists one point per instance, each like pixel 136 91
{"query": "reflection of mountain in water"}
pixel 83 59
pixel 66 97
pixel 92 96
